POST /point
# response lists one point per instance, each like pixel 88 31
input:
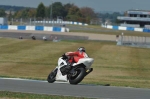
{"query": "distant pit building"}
pixel 135 18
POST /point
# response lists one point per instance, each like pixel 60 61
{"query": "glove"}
pixel 64 56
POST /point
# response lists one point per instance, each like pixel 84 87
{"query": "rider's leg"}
pixel 68 67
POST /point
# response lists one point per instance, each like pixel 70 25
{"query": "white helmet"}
pixel 81 49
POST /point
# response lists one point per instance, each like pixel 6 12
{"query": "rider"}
pixel 75 56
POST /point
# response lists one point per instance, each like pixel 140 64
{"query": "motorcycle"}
pixel 75 75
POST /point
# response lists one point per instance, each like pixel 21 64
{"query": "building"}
pixel 3 21
pixel 135 18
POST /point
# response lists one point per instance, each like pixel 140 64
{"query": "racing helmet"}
pixel 81 49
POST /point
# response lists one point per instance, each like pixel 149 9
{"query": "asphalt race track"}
pixel 65 89
pixel 27 35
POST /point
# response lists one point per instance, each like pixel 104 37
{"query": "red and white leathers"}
pixel 75 56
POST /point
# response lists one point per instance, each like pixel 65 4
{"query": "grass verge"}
pixel 18 95
pixel 97 29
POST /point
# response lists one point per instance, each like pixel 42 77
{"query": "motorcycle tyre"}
pixel 51 77
pixel 79 77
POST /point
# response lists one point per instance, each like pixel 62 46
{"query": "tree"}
pixel 41 11
pixel 88 13
pixel 18 14
pixel 47 12
pixel 66 9
pixel 10 15
pixel 57 10
pixel 2 13
pixel 68 12
pixel 32 13
pixel 110 16
pixel 74 13
pixel 25 13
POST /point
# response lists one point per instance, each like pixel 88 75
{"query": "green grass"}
pixel 97 29
pixel 17 95
pixel 114 65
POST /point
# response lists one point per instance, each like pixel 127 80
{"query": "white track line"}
pixel 31 80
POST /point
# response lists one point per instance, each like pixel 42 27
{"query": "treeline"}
pixel 13 8
pixel 69 12
pixel 110 16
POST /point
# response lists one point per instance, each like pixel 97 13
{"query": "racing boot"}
pixel 68 68
pixel 65 69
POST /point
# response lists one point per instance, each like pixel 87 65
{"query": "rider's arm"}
pixel 71 53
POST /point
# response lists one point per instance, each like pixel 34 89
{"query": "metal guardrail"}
pixel 133 41
pixel 39 28
pixel 42 22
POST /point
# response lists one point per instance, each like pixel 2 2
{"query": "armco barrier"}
pixel 4 27
pixel 30 28
pixel 115 27
pixel 130 28
pixel 34 28
pixel 126 28
pixel 122 28
pixel 57 29
pixel 46 28
pixel 41 28
pixel 138 29
pixel 21 28
pixel 146 30
pixel 109 27
pixel 12 27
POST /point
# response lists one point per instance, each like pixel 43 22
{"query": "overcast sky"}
pixel 97 5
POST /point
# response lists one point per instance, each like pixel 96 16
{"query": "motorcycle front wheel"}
pixel 77 76
pixel 51 77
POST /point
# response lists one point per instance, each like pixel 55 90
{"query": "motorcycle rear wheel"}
pixel 51 77
pixel 78 76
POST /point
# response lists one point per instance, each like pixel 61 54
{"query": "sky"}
pixel 97 5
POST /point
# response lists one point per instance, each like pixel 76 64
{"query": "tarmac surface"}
pixel 59 35
pixel 65 89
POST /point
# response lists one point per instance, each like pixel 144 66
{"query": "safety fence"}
pixel 43 22
pixel 134 41
pixel 127 28
pixel 60 22
pixel 39 28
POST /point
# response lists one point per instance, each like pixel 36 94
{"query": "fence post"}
pixel 145 39
pixel 43 22
pixel 12 21
pixel 122 39
pixel 34 21
pixel 21 21
pixel 30 21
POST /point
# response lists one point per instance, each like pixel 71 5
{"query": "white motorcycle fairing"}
pixel 61 62
pixel 59 76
